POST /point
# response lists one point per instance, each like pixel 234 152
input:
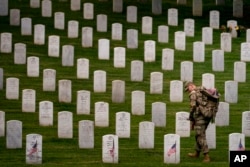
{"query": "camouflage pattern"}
pixel 199 121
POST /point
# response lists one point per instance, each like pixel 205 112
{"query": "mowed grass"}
pixel 66 152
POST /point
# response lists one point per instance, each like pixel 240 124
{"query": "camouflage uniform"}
pixel 199 121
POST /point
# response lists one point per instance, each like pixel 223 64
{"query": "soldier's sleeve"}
pixel 192 98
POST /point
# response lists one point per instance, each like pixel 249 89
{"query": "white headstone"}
pixel 231 91
pixel 39 34
pixel 173 17
pixel 236 142
pixel 82 68
pixel 218 60
pixel 132 38
pixel 207 35
pixel 211 136
pixel 12 88
pixel 146 135
pixel 118 91
pixel 238 8
pixel 176 91
pixel 33 66
pixel 197 7
pixel 86 134
pixel 131 14
pixel 14 17
pixel 68 55
pixel 101 114
pixel 88 11
pixel 83 102
pixel 4 7
pixel 240 71
pixel 1 78
pixel 138 102
pixel 28 100
pixel 46 8
pixel 49 80
pixel 163 34
pixel 59 20
pixel 20 53
pixel 182 124
pixel 14 133
pixel 87 37
pixel 167 59
pixel 33 149
pixel 75 5
pixel 157 7
pixel 2 123
pixel 26 26
pixel 117 6
pixel 116 31
pixel 99 81
pixel 122 124
pixel 65 124
pixel 103 49
pixel 187 71
pixel 222 115
pixel 46 110
pixel 110 149
pixel 119 57
pixel 102 23
pixel 226 42
pixel 198 51
pixel 171 149
pixel 231 24
pixel 136 70
pixel 73 29
pixel 54 46
pixel 35 3
pixel 214 19
pixel 245 127
pixel 248 35
pixel 156 83
pixel 180 40
pixel 208 80
pixel 189 27
pixel 159 113
pixel 245 51
pixel 64 91
pixel 149 51
pixel 147 25
pixel 6 42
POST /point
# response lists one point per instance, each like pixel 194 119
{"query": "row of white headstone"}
pixel 101 116
pixel 102 23
pixel 118 87
pixel 145 138
pixel 75 5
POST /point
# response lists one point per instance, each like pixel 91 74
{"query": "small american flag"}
pixel 172 150
pixel 33 149
pixel 112 150
pixel 240 147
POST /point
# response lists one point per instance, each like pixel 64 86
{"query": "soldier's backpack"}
pixel 210 102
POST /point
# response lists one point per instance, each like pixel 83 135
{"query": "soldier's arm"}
pixel 192 98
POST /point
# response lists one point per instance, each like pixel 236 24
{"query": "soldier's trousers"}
pixel 200 137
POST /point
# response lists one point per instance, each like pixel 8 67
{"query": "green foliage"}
pixel 65 152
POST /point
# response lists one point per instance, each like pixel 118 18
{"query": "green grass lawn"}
pixel 65 152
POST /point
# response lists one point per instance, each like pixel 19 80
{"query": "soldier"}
pixel 198 122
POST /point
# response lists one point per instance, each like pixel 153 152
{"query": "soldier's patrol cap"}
pixel 186 84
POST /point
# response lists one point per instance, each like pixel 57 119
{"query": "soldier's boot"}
pixel 206 158
pixel 196 154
